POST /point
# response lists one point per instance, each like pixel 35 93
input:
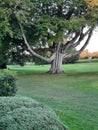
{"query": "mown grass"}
pixel 73 95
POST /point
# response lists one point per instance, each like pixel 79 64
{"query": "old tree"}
pixel 53 26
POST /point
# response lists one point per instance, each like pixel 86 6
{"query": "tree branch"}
pixel 82 48
pixel 69 14
pixel 70 43
pixel 66 55
pixel 86 43
pixel 78 39
pixel 32 51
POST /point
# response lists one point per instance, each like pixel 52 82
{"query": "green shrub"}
pixel 71 60
pixel 22 113
pixel 7 85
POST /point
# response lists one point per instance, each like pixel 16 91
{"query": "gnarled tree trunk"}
pixel 56 65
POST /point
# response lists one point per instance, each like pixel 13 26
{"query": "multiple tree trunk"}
pixel 56 64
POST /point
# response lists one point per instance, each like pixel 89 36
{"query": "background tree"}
pixel 85 54
pixel 11 46
pixel 56 26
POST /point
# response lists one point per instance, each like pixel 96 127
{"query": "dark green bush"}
pixel 22 113
pixel 7 85
pixel 71 60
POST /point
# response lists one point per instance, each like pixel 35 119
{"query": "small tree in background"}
pixel 85 54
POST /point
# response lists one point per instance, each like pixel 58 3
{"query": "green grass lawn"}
pixel 73 95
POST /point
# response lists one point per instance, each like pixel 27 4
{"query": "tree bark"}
pixel 56 65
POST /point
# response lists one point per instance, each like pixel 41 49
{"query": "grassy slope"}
pixel 73 95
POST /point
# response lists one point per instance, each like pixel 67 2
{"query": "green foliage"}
pixel 76 23
pixel 22 113
pixel 38 61
pixel 7 83
pixel 38 17
pixel 10 13
pixel 3 51
pixel 43 21
pixel 7 86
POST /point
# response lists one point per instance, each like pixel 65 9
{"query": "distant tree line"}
pixel 88 55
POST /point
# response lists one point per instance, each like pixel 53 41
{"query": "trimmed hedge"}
pixel 22 113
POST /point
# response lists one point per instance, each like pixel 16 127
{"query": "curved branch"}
pixel 78 38
pixel 86 43
pixel 70 43
pixel 82 36
pixel 82 48
pixel 32 51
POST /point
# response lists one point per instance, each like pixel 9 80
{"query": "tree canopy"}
pixel 56 26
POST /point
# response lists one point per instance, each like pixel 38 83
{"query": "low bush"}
pixel 22 113
pixel 7 84
pixel 71 60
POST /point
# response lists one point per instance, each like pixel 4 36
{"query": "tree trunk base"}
pixel 57 72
